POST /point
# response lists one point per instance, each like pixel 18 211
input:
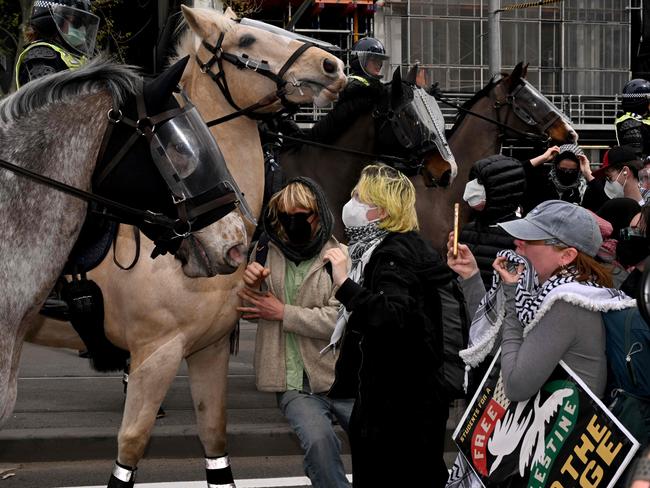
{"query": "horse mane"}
pixel 100 74
pixel 460 116
pixel 188 42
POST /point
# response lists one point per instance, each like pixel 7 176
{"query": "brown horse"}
pixel 510 101
pixel 153 310
pixel 471 139
pixel 404 126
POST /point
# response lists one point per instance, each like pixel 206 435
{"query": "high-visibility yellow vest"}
pixel 70 60
pixel 360 79
pixel 630 115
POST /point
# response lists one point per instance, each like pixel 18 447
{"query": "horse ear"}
pixel 199 21
pixel 158 91
pixel 518 72
pixel 411 76
pixel 421 79
pixel 396 86
pixel 230 13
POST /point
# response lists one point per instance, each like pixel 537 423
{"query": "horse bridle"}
pixel 509 100
pixel 181 227
pixel 243 61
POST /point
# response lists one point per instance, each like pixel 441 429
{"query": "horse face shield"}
pixel 419 124
pixel 538 111
pixel 195 170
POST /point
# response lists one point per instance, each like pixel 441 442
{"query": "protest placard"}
pixel 561 437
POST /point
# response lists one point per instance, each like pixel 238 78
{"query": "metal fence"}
pixel 583 110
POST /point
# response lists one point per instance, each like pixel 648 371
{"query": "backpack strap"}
pixel 630 346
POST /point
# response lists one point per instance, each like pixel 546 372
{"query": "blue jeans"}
pixel 311 417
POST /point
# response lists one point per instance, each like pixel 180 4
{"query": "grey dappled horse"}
pixel 54 127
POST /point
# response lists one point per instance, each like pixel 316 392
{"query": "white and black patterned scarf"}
pixel 532 301
pixel 579 187
pixel 362 243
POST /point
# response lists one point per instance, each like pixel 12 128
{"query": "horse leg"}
pixel 208 370
pixel 149 380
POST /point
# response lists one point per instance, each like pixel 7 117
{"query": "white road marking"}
pixel 251 483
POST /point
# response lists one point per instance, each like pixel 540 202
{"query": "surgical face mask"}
pixel 355 214
pixel 296 226
pixel 76 37
pixel 474 193
pixel 614 189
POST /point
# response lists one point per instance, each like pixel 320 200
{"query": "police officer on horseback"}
pixel 633 127
pixel 61 35
pixel 364 88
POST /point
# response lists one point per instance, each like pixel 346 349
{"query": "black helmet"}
pixel 71 21
pixel 364 52
pixel 636 96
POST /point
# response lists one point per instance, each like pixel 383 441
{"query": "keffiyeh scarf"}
pixel 532 301
pixel 580 186
pixel 362 243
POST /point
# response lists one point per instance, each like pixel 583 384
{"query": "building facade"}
pixel 578 51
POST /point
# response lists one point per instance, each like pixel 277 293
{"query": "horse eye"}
pixel 246 40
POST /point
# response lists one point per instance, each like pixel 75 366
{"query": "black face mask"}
pixel 296 226
pixel 632 251
pixel 567 177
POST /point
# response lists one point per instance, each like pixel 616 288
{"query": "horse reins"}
pixel 378 157
pixel 497 105
pixel 145 216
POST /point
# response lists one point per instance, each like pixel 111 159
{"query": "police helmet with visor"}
pixel 367 56
pixel 70 20
pixel 636 96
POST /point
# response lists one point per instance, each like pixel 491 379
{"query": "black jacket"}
pixel 356 99
pixel 540 188
pixel 504 181
pixel 391 351
pixel 485 239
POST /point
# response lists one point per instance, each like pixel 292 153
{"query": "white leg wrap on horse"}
pixel 122 476
pixel 218 472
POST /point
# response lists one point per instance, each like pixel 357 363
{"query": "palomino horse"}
pixel 55 127
pixel 192 319
pixel 405 125
pixel 517 107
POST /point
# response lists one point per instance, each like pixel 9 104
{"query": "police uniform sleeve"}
pixel 38 62
pixel 355 100
pixel 630 133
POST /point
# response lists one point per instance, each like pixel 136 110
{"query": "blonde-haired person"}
pixel 290 293
pixel 391 347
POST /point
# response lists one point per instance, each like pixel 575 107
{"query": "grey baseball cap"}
pixel 555 219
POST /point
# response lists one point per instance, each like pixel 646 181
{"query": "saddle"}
pixel 92 246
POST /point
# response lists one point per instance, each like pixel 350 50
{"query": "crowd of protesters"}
pixel 369 339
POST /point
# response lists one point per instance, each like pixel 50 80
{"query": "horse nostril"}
pixel 329 66
pixel 445 179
